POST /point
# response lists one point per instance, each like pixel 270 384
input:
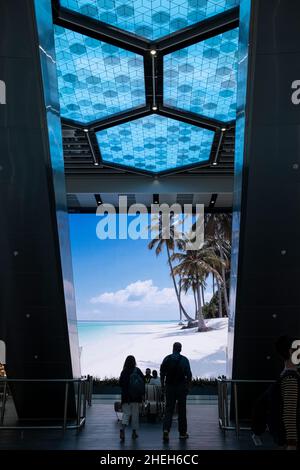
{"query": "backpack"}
pixel 175 372
pixel 136 385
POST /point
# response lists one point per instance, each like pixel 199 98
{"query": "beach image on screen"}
pixel 138 297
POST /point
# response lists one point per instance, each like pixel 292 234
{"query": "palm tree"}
pixel 180 303
pixel 194 266
pixel 225 251
pixel 218 232
pixel 170 241
pixel 220 299
pixel 202 292
pixel 187 282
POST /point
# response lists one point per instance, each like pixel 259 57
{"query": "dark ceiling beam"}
pixel 98 30
pixel 221 136
pixel 121 118
pixel 205 29
pixel 154 84
pixel 95 159
pixel 184 169
pixel 88 169
pixel 191 118
pixel 180 169
pixel 91 210
pixel 70 163
pixel 128 169
pixel 160 79
pixel 153 65
pixel 73 124
pixel 113 181
pixel 148 73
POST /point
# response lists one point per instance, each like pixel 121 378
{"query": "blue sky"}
pixel 119 279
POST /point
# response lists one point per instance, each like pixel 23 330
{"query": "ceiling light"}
pixel 213 200
pixel 153 52
pixel 155 198
pixel 154 108
pixel 85 130
pixel 223 129
pixel 98 199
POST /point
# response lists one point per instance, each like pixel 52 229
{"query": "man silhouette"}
pixel 175 373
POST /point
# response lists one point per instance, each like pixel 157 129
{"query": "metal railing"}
pixel 89 397
pixel 228 388
pixel 84 396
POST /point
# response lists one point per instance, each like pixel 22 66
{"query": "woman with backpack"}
pixel 132 384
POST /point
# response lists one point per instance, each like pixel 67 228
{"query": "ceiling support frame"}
pixel 153 70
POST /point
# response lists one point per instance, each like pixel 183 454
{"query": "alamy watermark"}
pixel 163 222
pixel 295 98
pixel 2 92
pixel 296 354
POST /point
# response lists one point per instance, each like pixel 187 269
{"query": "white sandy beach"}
pixel 103 352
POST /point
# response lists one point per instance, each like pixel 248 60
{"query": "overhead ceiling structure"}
pixel 201 78
pixel 95 79
pixel 147 86
pixel 155 143
pixel 152 19
pixel 88 203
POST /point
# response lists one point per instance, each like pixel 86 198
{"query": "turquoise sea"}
pixel 114 323
pixel 90 329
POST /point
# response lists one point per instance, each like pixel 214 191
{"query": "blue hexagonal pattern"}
pixel 202 78
pixel 152 19
pixel 155 143
pixel 96 79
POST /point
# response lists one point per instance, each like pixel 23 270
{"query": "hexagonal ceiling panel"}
pixel 202 78
pixel 152 19
pixel 96 79
pixel 155 144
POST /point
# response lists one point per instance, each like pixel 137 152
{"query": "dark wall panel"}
pixel 265 294
pixel 38 317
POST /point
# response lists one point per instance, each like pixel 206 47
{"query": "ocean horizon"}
pixel 128 321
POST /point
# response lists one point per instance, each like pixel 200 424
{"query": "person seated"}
pixel 2 376
pixel 155 380
pixel 148 376
pixel 2 370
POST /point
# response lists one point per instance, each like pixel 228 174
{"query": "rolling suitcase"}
pixel 118 410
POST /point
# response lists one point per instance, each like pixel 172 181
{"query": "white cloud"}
pixel 141 300
pixel 138 294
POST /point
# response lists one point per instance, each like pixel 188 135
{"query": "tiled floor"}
pixel 102 432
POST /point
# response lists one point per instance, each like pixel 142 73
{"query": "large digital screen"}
pixel 127 305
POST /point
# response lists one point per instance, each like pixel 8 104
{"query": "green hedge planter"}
pixel 207 388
